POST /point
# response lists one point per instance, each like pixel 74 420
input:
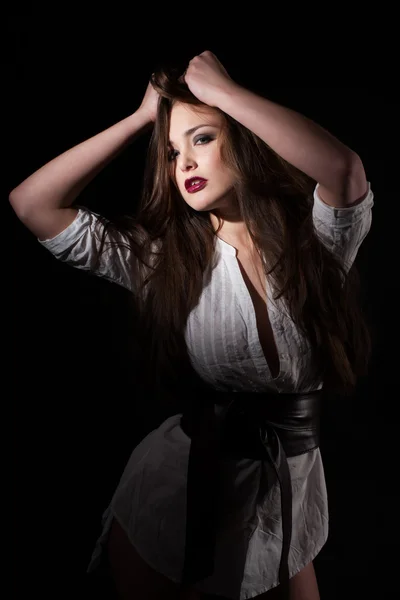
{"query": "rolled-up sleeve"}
pixel 79 244
pixel 342 230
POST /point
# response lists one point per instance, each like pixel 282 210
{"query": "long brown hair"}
pixel 174 245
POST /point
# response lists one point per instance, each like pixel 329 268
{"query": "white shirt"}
pixel 223 343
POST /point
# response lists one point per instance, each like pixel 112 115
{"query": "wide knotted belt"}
pixel 267 427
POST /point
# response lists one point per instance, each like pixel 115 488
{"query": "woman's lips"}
pixel 196 186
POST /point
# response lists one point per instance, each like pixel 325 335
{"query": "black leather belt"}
pixel 266 427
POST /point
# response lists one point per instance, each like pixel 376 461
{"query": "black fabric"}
pixel 268 427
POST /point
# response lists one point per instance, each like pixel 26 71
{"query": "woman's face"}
pixel 195 137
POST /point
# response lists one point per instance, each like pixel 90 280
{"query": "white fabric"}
pixel 221 334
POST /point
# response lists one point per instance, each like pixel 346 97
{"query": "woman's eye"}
pixel 204 137
pixel 172 155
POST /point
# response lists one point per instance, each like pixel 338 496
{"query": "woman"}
pixel 242 198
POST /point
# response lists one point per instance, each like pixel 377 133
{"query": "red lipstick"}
pixel 194 184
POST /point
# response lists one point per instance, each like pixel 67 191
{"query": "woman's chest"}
pixel 229 334
pixel 254 278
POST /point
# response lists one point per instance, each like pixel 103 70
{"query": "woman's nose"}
pixel 186 163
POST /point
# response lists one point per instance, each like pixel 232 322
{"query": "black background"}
pixel 76 412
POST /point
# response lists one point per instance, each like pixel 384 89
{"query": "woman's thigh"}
pixel 132 576
pixel 274 594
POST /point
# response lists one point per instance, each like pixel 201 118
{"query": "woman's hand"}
pixel 207 79
pixel 149 103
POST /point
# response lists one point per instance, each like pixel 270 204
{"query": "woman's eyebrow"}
pixel 193 129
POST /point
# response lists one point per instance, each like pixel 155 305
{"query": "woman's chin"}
pixel 200 204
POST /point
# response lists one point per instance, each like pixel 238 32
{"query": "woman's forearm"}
pixel 297 139
pixel 59 182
